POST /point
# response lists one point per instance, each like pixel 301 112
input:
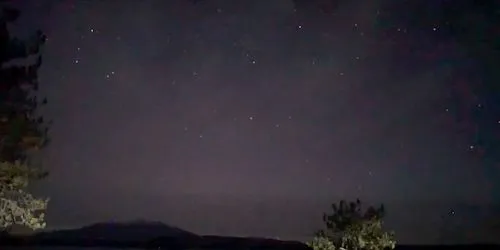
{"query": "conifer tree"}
pixel 22 132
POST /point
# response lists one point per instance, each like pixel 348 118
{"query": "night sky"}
pixel 249 118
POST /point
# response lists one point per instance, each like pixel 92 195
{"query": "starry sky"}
pixel 249 118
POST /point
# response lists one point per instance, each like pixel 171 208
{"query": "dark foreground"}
pixel 202 242
pixel 154 235
pixel 171 243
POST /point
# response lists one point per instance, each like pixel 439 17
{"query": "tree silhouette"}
pixel 22 132
pixel 351 227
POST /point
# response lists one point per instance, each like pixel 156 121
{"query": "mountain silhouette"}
pixel 119 231
pixel 147 234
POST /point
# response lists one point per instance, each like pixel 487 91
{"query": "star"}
pixel 452 212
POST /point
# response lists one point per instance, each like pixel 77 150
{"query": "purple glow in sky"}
pixel 251 117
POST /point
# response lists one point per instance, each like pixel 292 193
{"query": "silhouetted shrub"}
pixel 349 227
pixel 321 243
